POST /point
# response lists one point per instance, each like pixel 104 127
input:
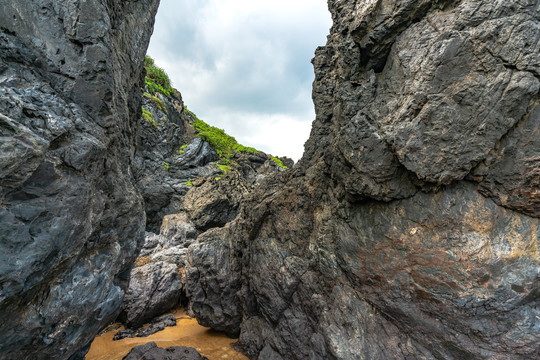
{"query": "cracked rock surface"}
pixel 409 229
pixel 150 351
pixel 71 219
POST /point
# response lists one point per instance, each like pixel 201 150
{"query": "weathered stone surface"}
pixel 511 174
pixel 169 154
pixel 212 282
pixel 157 324
pixel 150 351
pixel 177 230
pixel 154 288
pixel 161 169
pixel 157 283
pixel 409 230
pixel 70 218
pixel 213 202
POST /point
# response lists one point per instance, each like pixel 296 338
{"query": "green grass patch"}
pixel 279 162
pixel 224 168
pixel 188 183
pixel 222 143
pixel 160 104
pixel 166 165
pixel 181 150
pixel 156 78
pixel 147 116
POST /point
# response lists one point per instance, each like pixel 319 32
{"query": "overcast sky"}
pixel 244 65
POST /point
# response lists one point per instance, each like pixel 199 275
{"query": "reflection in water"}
pixel 187 332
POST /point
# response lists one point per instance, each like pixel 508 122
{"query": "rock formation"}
pixel 161 169
pixel 150 351
pixel 169 154
pixel 185 191
pixel 157 324
pixel 156 284
pixel 71 219
pixel 409 230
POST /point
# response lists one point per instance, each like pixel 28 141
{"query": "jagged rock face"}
pixel 213 202
pixel 156 280
pixel 154 288
pixel 162 168
pixel 150 351
pixel 409 230
pixel 169 154
pixel 70 218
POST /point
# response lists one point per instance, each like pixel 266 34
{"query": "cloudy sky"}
pixel 244 65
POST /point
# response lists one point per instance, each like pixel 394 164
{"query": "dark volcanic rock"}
pixel 156 284
pixel 151 351
pixel 161 168
pixel 213 202
pixel 169 154
pixel 154 288
pixel 71 219
pixel 409 230
pixel 156 325
pixel 212 282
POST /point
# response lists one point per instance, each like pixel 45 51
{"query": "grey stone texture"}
pixel 71 219
pixel 150 351
pixel 154 289
pixel 409 229
pixel 161 168
pixel 156 284
pixel 157 324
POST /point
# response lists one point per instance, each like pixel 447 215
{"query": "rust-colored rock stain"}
pixel 187 332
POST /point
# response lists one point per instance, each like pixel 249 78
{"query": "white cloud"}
pixel 245 65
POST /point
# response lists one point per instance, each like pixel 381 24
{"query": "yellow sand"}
pixel 187 332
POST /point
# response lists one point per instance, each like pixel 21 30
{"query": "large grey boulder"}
pixel 154 289
pixel 156 284
pixel 212 283
pixel 71 219
pixel 150 351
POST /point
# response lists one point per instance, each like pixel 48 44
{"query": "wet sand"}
pixel 187 332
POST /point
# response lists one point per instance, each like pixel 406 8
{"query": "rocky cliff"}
pixel 172 156
pixel 189 185
pixel 409 230
pixel 71 219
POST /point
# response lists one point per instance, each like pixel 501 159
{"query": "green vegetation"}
pixel 225 145
pixel 160 104
pixel 156 78
pixel 279 162
pixel 181 150
pixel 224 168
pixel 147 116
pixel 188 183
pixel 166 165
